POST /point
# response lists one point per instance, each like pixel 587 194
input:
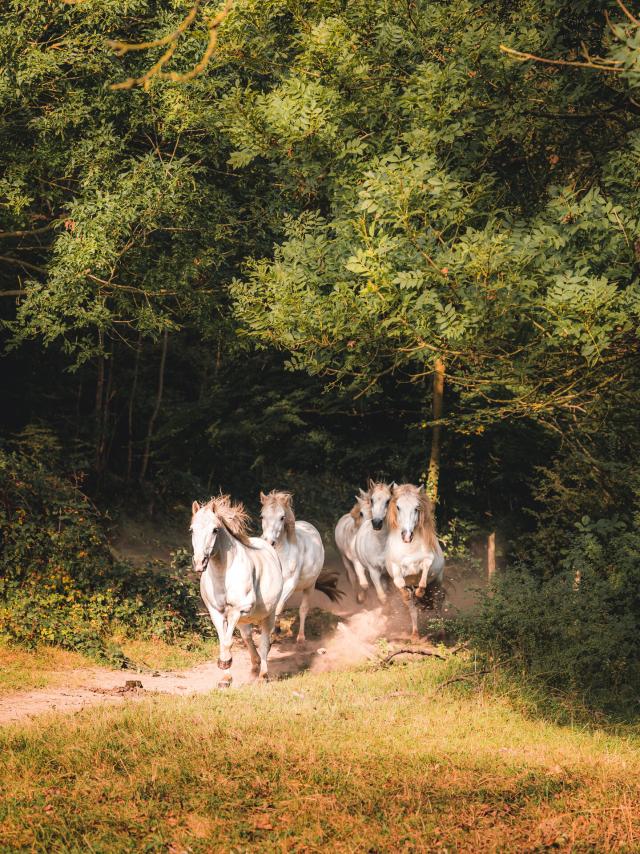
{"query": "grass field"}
pixel 362 760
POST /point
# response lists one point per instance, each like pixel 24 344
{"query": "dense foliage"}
pixel 247 281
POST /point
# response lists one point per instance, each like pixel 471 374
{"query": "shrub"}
pixel 575 625
pixel 59 583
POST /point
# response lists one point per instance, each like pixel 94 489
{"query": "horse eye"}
pixel 215 530
pixel 282 518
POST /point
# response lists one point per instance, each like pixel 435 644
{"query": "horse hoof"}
pixel 224 683
pixel 420 591
pixel 224 665
pixel 263 678
pixel 415 637
pixel 301 640
pixel 406 594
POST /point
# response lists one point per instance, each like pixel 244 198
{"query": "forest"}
pixel 344 239
pixel 276 248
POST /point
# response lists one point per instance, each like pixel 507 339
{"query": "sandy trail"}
pixel 353 641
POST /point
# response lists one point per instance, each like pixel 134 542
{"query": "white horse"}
pixel 345 534
pixel 370 540
pixel 413 556
pixel 241 581
pixel 299 547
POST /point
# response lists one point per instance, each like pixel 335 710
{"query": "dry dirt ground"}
pixel 353 639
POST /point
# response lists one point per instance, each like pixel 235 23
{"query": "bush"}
pixel 59 583
pixel 576 625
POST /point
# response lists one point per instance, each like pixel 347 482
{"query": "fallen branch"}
pixel 462 678
pixel 414 652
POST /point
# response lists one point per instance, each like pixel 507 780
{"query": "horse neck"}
pixel 224 552
pixel 289 528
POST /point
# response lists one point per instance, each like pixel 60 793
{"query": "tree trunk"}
pixel 104 422
pixel 132 399
pixel 434 460
pixel 98 406
pixel 156 408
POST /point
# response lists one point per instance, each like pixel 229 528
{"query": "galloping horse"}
pixel 370 540
pixel 299 547
pixel 241 579
pixel 413 556
pixel 345 534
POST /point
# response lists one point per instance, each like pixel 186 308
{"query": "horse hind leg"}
pixel 246 630
pixel 265 645
pixel 303 611
pixel 351 573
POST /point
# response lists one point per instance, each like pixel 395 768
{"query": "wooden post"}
pixel 491 556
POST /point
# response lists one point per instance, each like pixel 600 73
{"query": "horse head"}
pixel 410 511
pixel 379 499
pixel 276 515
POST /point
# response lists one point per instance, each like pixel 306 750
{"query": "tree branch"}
pixel 26 264
pixel 157 69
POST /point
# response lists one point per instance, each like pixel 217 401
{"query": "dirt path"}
pixel 352 641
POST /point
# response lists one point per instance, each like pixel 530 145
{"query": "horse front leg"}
pixel 422 586
pixel 265 645
pixel 246 630
pixel 225 660
pixel 362 580
pixel 224 654
pixel 304 610
pixel 393 569
pixel 376 578
pixel 413 613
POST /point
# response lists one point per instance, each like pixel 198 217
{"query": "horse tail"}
pixel 327 583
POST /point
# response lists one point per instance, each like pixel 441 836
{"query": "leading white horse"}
pixel 241 581
pixel 370 541
pixel 413 556
pixel 299 547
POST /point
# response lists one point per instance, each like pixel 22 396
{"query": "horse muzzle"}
pixel 377 524
pixel 201 566
pixel 407 536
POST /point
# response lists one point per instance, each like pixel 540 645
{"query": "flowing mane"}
pixel 233 516
pixel 284 500
pixel 426 525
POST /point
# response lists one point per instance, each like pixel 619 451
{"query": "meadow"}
pixel 365 759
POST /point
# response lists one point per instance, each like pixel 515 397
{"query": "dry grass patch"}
pixel 352 761
pixel 47 667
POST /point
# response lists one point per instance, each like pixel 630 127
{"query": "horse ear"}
pixel 194 508
pixel 288 498
pixel 371 483
pixel 421 488
pixel 362 494
pixel 393 486
pixel 263 497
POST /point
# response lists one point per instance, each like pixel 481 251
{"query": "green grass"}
pixel 352 761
